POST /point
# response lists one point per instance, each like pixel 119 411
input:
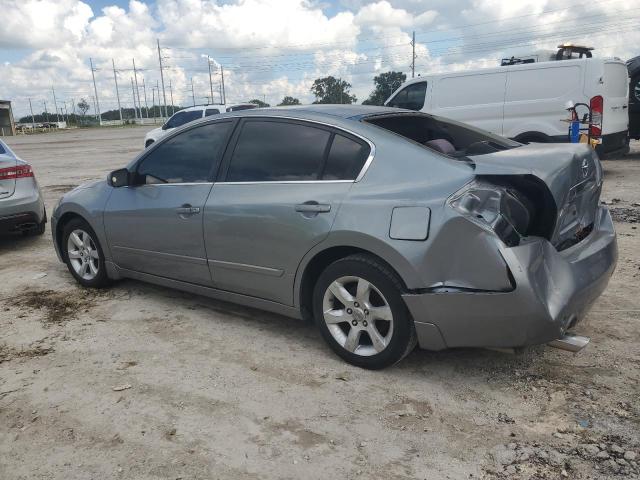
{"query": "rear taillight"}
pixel 19 171
pixel 597 108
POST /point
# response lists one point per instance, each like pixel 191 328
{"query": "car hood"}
pixel 571 172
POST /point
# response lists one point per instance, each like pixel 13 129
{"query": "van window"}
pixel 544 83
pixel 616 80
pixel 467 90
pixel 410 97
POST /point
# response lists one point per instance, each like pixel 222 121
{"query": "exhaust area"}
pixel 570 342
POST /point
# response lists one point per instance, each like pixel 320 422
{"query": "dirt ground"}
pixel 142 382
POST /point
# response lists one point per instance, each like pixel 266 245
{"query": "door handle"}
pixel 187 209
pixel 313 207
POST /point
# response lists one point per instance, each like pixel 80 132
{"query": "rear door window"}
pixel 410 97
pixel 346 158
pixel 188 157
pixel 273 151
pixel 211 111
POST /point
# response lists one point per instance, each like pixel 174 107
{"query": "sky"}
pixel 269 49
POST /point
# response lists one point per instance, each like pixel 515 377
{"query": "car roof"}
pixel 328 111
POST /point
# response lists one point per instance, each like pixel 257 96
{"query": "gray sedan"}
pixel 388 228
pixel 21 205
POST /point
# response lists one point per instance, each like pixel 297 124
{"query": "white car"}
pixel 190 114
pixel 526 101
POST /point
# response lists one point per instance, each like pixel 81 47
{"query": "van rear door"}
pixel 615 116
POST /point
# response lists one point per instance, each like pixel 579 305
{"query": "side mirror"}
pixel 165 126
pixel 119 178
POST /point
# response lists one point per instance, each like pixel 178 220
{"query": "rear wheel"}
pixel 358 307
pixel 83 254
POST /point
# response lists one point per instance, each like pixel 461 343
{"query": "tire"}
pixel 350 325
pixel 533 138
pixel 87 264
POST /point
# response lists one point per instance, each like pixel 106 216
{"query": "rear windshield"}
pixel 444 136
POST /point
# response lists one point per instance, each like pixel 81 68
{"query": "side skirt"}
pixel 214 293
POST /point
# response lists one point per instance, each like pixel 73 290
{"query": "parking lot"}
pixel 143 382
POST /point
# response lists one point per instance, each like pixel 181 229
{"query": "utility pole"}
pixel 173 109
pixel 55 104
pixel 193 95
pixel 164 95
pixel 135 76
pixel 413 55
pixel 224 94
pixel 95 90
pixel 210 82
pixel 144 91
pixel 115 79
pixel 153 102
pixel 33 120
pixel 133 91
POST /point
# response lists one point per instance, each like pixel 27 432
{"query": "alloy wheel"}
pixel 357 315
pixel 83 254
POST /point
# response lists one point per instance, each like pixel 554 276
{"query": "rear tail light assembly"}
pixel 494 208
pixel 597 110
pixel 19 171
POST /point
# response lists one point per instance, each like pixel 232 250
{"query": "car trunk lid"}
pixel 571 172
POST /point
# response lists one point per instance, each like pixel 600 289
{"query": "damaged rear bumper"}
pixel 553 291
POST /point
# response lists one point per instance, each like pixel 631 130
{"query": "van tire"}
pixel 533 137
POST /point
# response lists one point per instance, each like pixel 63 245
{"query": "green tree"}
pixel 331 90
pixel 259 103
pixel 289 101
pixel 385 84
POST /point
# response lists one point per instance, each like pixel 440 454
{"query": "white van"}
pixel 527 101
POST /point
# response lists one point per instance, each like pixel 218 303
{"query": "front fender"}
pixel 87 201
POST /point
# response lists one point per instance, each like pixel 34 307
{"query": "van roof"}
pixel 523 66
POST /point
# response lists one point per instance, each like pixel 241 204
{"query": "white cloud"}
pixel 275 48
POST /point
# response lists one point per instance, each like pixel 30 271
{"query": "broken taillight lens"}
pixel 19 171
pixel 597 109
pixel 494 208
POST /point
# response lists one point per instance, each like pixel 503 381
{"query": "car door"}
pixel 155 225
pixel 277 197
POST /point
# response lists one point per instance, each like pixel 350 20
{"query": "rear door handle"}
pixel 313 207
pixel 187 209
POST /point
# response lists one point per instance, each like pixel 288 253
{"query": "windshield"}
pixel 444 136
pixel 181 118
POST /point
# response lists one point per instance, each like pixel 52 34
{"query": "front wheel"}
pixel 83 254
pixel 358 307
